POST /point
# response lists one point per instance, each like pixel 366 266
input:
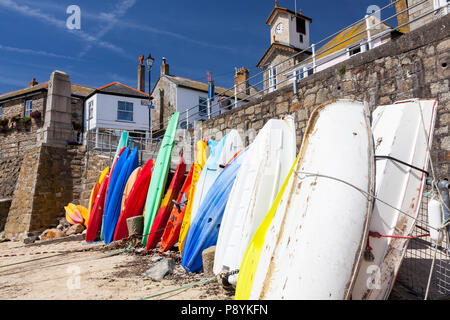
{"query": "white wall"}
pixel 105 113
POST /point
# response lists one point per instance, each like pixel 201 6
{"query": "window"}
pixel 301 38
pixel 354 50
pixel 28 107
pixel 272 79
pixel 1 111
pixel 91 109
pixel 125 111
pixel 301 25
pixel 203 107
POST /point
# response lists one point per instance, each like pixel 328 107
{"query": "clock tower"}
pixel 289 34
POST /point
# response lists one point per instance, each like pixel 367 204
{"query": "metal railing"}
pixel 294 71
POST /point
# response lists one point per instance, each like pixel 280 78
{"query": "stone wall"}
pixel 97 162
pixel 415 65
pixel 5 204
pixel 16 139
pixel 50 177
pixel 9 173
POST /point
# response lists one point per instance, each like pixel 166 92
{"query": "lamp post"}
pixel 150 61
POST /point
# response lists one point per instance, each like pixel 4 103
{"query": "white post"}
pixel 209 108
pixel 314 57
pixel 96 137
pixel 369 37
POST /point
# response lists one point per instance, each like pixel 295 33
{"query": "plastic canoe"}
pixel 268 161
pixel 202 152
pixel 103 175
pixel 166 205
pixel 232 146
pixel 159 176
pixel 399 133
pixel 96 216
pixel 107 188
pixel 73 214
pixel 204 228
pixel 130 183
pixel 322 218
pixel 123 142
pixel 84 213
pixel 209 173
pixel 135 202
pixel 172 229
pixel 112 212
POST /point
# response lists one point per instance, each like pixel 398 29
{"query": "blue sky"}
pixel 194 36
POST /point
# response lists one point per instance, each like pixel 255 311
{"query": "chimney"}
pixel 241 80
pixel 164 67
pixel 33 82
pixel 141 75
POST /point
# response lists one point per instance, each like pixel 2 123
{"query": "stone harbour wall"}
pixel 415 65
pixel 9 173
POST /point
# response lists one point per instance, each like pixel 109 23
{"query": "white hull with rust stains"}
pixel 399 133
pixel 314 244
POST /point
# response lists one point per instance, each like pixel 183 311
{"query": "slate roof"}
pixel 78 90
pixel 117 88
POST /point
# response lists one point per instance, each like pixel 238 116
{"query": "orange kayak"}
pixel 173 227
pixel 165 209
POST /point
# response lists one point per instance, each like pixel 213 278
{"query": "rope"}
pixel 110 254
pixel 379 235
pixel 187 286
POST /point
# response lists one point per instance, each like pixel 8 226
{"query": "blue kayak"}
pixel 204 229
pixel 112 212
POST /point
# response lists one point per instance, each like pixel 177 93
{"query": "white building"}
pixel 190 97
pixel 117 107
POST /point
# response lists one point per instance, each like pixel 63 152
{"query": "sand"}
pixel 76 270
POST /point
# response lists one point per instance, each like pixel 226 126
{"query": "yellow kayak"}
pixel 201 155
pixel 84 213
pixel 73 214
pixel 253 253
pixel 103 175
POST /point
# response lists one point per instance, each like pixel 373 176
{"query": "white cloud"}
pixel 35 52
pixel 49 19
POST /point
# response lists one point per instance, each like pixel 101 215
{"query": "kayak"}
pixel 73 214
pixel 205 226
pixel 113 209
pixel 202 152
pixel 166 205
pixel 102 237
pixel 172 230
pixel 135 202
pixel 322 218
pixel 159 176
pixel 123 142
pixel 399 133
pixel 258 182
pixel 96 216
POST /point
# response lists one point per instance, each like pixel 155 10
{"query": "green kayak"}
pixel 159 176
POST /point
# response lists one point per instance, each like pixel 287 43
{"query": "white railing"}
pixel 261 83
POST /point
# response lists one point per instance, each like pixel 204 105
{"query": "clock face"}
pixel 279 28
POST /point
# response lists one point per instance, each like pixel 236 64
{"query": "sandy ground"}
pixel 76 270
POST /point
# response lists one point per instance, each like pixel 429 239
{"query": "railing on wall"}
pixel 294 71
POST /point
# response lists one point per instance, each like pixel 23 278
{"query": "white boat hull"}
pixel 315 241
pixel 268 161
pixel 399 133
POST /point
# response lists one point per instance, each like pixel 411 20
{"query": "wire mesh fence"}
pixel 415 270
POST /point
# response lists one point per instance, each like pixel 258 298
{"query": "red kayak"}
pixel 164 211
pixel 96 216
pixel 173 227
pixel 134 204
